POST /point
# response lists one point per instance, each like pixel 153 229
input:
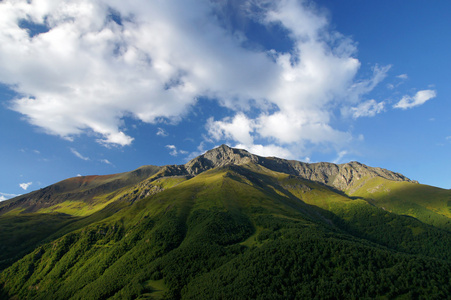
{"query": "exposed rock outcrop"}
pixel 340 176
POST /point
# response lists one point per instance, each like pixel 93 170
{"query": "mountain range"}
pixel 229 225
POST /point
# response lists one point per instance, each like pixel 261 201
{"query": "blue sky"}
pixel 101 87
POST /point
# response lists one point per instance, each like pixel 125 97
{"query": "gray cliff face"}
pixel 343 176
pixel 340 176
pixel 219 157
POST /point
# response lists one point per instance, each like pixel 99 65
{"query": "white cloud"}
pixel 162 132
pixel 308 82
pixel 367 109
pixel 173 150
pixel 88 72
pixel 340 156
pixel 418 99
pixel 25 186
pixel 5 196
pixel 362 87
pixel 78 154
pixel 238 129
pixel 267 150
pixel 106 161
pixel 402 76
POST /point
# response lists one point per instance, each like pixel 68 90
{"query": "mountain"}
pixel 88 194
pixel 229 224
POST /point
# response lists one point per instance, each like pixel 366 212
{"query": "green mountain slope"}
pixel 81 196
pixel 428 204
pixel 231 225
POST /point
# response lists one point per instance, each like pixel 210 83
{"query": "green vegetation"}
pixel 21 234
pixel 234 232
pixel 428 204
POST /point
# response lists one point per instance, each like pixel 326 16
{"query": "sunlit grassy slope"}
pixel 79 196
pixel 241 232
pixel 428 204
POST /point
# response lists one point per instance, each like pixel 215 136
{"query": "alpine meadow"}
pixel 229 225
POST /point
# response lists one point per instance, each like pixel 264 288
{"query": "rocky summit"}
pixel 340 176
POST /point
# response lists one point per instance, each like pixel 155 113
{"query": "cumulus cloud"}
pixel 367 109
pixel 238 128
pixel 25 186
pixel 267 150
pixel 78 154
pixel 418 99
pixel 317 75
pixel 94 63
pixel 151 61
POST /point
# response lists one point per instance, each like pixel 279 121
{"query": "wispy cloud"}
pixel 106 161
pixel 174 151
pixel 402 77
pixel 78 154
pixel 340 156
pixel 5 196
pixel 367 109
pixel 26 185
pixel 418 99
pixel 161 132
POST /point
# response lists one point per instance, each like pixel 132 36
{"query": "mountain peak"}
pixel 218 157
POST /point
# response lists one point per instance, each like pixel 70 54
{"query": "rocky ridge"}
pixel 340 176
